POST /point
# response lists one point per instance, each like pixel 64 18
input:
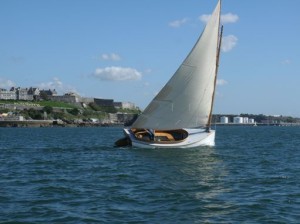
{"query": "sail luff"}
pixel 216 75
pixel 185 101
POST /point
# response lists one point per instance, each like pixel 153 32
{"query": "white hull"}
pixel 196 137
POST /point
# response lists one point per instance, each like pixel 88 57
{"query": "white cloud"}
pixel 229 18
pixel 111 57
pixel 6 83
pixel 204 18
pixel 221 82
pixel 229 42
pixel 178 23
pixel 57 85
pixel 117 74
pixel 225 18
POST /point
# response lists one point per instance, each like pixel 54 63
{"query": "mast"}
pixel 215 81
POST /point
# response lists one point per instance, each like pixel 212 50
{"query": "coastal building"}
pixel 251 121
pixel 104 102
pixel 49 92
pixel 35 92
pixel 15 94
pixel 224 120
pixel 238 120
pixel 67 98
pixel 245 120
pixel 8 94
pixel 10 117
pixel 22 94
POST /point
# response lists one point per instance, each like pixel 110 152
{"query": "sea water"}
pixel 75 175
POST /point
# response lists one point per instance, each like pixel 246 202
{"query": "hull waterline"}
pixel 196 138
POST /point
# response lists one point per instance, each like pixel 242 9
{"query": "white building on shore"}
pixel 238 120
pixel 224 120
pixel 251 121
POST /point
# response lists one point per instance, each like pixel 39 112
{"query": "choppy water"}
pixel 74 175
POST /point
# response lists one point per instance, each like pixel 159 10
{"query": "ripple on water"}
pixel 75 176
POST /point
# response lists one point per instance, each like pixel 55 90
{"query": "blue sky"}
pixel 127 50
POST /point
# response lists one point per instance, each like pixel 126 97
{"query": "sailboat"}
pixel 181 113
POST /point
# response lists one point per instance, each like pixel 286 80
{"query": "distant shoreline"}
pixel 54 123
pixel 257 124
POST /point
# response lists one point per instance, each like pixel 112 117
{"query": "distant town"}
pixel 39 107
pixel 28 104
pixel 35 94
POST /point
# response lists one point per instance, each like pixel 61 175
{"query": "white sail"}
pixel 186 100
